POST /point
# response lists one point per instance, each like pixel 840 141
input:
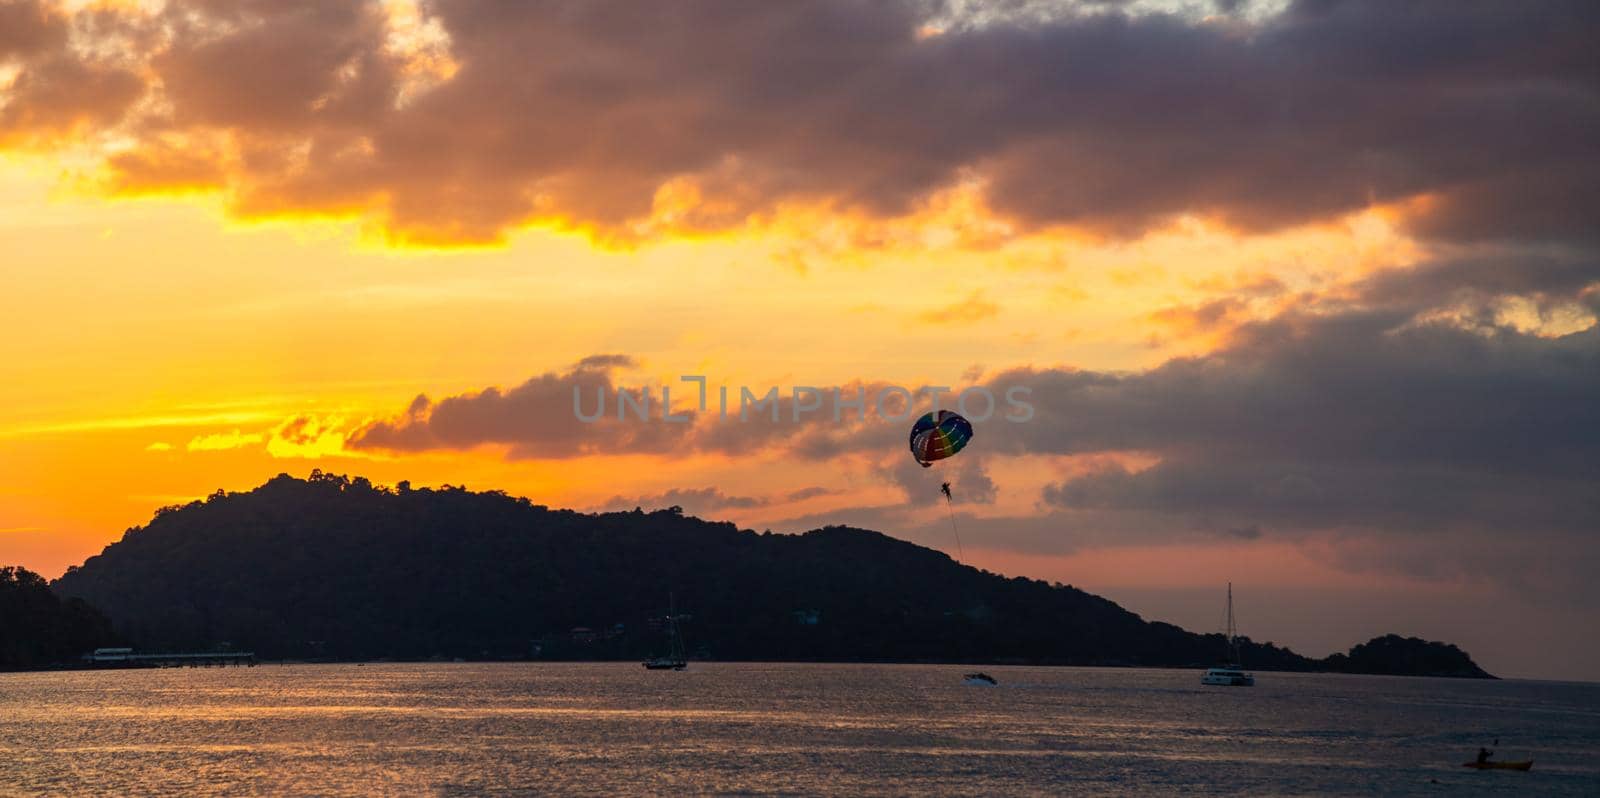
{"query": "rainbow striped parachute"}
pixel 936 436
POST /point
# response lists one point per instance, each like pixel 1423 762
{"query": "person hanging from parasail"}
pixel 934 437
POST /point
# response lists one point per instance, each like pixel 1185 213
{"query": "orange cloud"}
pixel 219 441
pixel 976 307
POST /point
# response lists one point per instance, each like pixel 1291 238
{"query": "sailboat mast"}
pixel 1233 640
pixel 1230 613
pixel 676 647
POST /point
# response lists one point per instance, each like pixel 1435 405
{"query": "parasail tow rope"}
pixel 950 505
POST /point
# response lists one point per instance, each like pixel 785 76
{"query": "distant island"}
pixel 339 568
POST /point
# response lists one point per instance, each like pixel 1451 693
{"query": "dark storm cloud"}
pixel 1549 278
pixel 1305 496
pixel 535 419
pixel 1319 111
pixel 1356 387
pixel 580 112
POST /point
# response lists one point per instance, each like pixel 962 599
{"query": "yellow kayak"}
pixel 1526 765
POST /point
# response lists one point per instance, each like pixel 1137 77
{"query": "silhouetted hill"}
pixel 341 568
pixel 38 628
pixel 1406 656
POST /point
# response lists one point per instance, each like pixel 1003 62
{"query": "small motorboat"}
pixel 980 679
pixel 664 664
pixel 1526 764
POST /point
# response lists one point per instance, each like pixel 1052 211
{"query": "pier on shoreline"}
pixel 127 658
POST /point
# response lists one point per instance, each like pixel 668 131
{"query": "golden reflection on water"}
pixel 807 729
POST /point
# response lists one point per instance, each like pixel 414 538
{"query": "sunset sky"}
pixel 1305 293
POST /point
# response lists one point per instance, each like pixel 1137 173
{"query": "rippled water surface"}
pixel 459 729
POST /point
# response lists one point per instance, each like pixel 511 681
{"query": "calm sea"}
pixel 466 729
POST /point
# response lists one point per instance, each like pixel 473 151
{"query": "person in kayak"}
pixel 1485 753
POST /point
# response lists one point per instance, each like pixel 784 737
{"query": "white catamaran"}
pixel 1231 674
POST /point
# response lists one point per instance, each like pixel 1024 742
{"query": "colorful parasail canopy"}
pixel 936 436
